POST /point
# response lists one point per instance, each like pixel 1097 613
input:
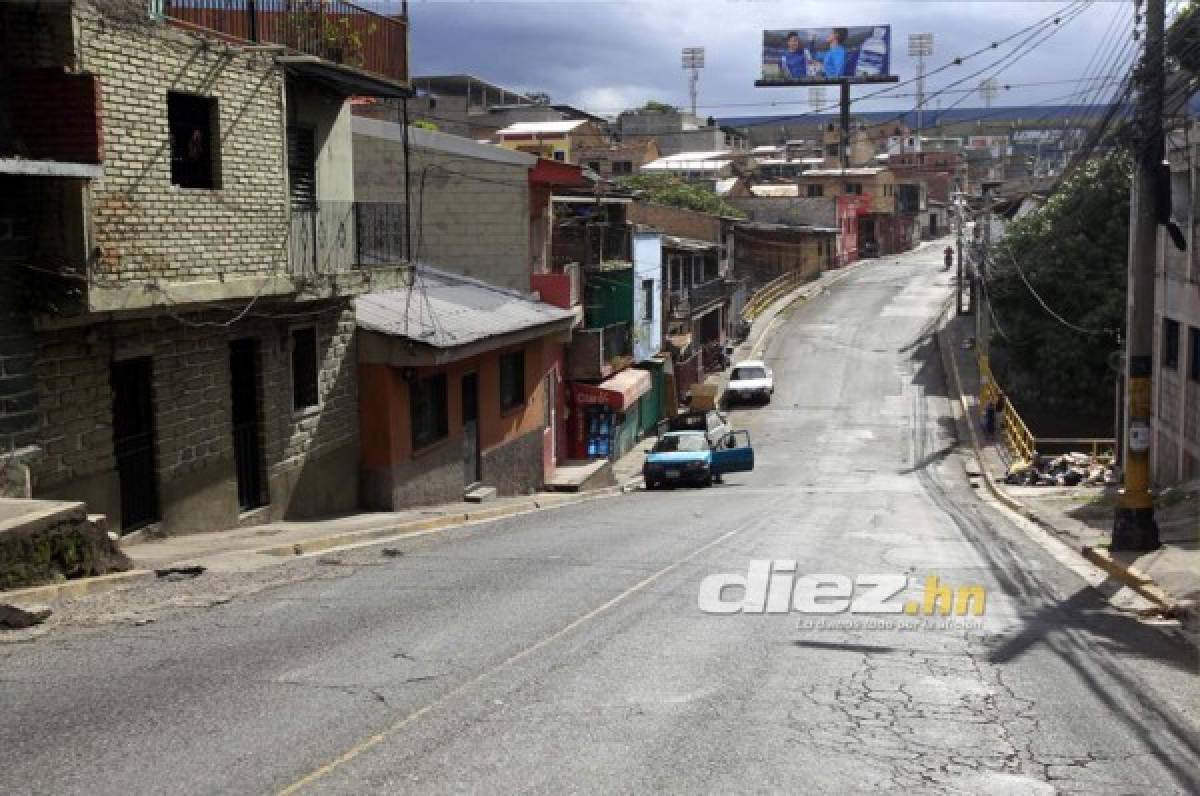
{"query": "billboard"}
pixel 827 55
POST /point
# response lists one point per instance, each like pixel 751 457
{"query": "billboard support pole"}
pixel 844 108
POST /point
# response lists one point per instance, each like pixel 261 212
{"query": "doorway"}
pixel 245 403
pixel 133 441
pixel 470 416
pixel 933 225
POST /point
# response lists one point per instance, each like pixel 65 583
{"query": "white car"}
pixel 751 380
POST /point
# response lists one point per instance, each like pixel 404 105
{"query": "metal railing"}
pixel 338 236
pixel 692 299
pixel 1010 428
pixel 596 354
pixel 335 30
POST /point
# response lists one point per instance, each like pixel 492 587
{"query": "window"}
pixel 304 368
pixel 302 167
pixel 1170 344
pixel 427 408
pixel 560 155
pixel 1194 353
pixel 192 122
pixel 512 380
pixel 831 150
pixel 647 299
pixel 594 165
pixel 816 190
pixel 622 167
pixel 854 188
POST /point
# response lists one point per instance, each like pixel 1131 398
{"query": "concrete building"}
pixel 614 159
pixel 461 105
pixel 470 201
pixel 187 232
pixel 675 131
pixel 1176 374
pixel 457 389
pixel 558 140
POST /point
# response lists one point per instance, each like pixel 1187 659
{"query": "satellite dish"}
pixel 1116 361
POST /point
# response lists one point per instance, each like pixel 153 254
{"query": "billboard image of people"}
pixel 820 55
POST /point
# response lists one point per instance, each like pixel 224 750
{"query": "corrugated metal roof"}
pixel 564 126
pixel 447 310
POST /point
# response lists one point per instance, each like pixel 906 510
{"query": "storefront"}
pixel 606 418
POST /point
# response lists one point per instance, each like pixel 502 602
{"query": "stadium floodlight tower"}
pixel 693 62
pixel 988 89
pixel 920 46
pixel 816 98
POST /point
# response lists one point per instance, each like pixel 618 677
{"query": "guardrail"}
pixel 1010 428
pixel 772 290
pixel 1016 437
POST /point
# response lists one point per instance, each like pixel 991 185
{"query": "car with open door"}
pixel 689 457
pixel 733 454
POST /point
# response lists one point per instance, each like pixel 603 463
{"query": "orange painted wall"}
pixel 385 414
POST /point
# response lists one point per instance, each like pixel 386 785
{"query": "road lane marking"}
pixel 377 738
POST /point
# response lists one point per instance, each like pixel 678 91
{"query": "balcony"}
pixel 596 354
pixel 333 237
pixel 560 288
pixel 591 245
pixel 337 31
pixel 694 300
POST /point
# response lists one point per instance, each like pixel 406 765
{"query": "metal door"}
pixel 247 423
pixel 733 453
pixel 470 414
pixel 133 442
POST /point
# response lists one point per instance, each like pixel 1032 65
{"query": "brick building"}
pixel 187 258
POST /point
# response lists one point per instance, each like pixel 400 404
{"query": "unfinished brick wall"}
pixel 145 227
pixel 676 221
pixel 193 430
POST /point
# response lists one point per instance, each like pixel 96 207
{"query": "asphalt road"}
pixel 565 650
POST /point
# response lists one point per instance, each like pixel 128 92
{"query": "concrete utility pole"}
pixel 1134 527
pixel 960 209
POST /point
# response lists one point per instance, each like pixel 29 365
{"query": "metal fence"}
pixel 336 237
pixel 335 30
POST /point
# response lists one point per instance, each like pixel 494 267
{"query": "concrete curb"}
pixel 445 522
pixel 1129 576
pixel 73 589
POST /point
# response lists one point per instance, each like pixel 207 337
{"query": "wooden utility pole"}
pixel 1134 527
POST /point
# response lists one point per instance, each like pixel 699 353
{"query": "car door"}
pixel 733 454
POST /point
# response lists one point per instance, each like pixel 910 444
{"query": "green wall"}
pixel 608 297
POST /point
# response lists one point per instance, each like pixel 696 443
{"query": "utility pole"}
pixel 959 213
pixel 1134 527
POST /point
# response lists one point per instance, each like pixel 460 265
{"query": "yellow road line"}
pixel 374 740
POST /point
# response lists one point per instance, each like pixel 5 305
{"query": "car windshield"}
pixel 681 442
pixel 744 374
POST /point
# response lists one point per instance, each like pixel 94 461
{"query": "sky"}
pixel 608 56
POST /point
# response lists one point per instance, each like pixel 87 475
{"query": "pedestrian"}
pixel 949 256
pixel 989 419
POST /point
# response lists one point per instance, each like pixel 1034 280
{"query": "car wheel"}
pixel 651 485
pixel 707 480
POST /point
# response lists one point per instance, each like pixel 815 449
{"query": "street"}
pixel 565 650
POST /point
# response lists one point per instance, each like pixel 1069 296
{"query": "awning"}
pixel 617 393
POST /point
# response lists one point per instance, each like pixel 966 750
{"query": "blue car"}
pixel 687 457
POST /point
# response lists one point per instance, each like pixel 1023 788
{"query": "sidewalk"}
pixel 1082 516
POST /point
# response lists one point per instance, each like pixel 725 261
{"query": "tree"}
pixel 667 190
pixel 1073 252
pixel 654 106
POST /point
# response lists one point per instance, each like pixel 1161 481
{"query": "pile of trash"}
pixel 1068 469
